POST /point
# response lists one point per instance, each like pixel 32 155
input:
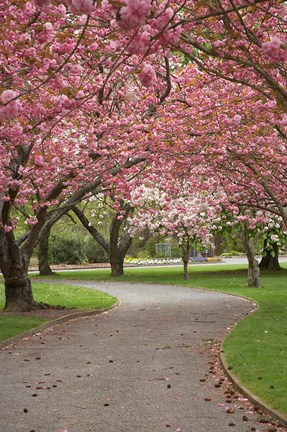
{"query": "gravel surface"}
pixel 149 365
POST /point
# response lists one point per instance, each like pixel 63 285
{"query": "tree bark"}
pixel 118 245
pixel 117 267
pixel 19 296
pixel 270 259
pixel 185 270
pixel 217 244
pixel 253 267
pixel 185 258
pixel 13 264
pixel 43 254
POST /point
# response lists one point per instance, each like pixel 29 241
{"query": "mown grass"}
pixel 13 325
pixel 257 347
pixel 69 296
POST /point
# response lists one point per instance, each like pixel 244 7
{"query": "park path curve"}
pixel 148 365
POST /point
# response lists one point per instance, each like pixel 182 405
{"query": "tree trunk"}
pixel 116 258
pixel 19 297
pixel 119 245
pixel 185 270
pixel 14 267
pixel 117 267
pixel 270 259
pixel 185 258
pixel 253 274
pixel 253 267
pixel 217 244
pixel 43 254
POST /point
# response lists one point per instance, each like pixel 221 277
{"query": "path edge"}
pixel 62 319
pixel 276 415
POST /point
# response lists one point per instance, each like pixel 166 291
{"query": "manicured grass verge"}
pixel 78 298
pixel 71 296
pixel 12 325
pixel 257 347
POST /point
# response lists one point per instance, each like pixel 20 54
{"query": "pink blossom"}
pixel 7 228
pixel 47 34
pixel 31 221
pixel 237 118
pixel 147 76
pixel 164 18
pixel 275 50
pixel 7 96
pixel 139 43
pixel 39 161
pixel 134 13
pixel 82 7
pixel 62 9
pixel 42 3
pixel 10 110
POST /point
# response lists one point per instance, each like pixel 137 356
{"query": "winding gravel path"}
pixel 145 366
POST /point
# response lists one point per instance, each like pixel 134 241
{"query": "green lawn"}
pixel 53 294
pixel 257 347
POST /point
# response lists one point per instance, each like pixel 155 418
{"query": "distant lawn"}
pixel 257 347
pixel 69 296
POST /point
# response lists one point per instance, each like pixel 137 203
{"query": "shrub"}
pixel 231 253
pixel 94 252
pixel 66 250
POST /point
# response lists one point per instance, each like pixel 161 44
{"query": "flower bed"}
pixel 170 261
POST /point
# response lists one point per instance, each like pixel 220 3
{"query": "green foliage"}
pixel 66 250
pixel 143 246
pixel 231 253
pixel 75 249
pixel 144 254
pixel 94 252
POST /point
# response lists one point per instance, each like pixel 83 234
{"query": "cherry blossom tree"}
pixel 81 88
pixel 242 42
pixel 232 133
pixel 183 212
pixel 61 93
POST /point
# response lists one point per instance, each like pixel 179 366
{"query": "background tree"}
pixel 119 239
pixel 184 213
